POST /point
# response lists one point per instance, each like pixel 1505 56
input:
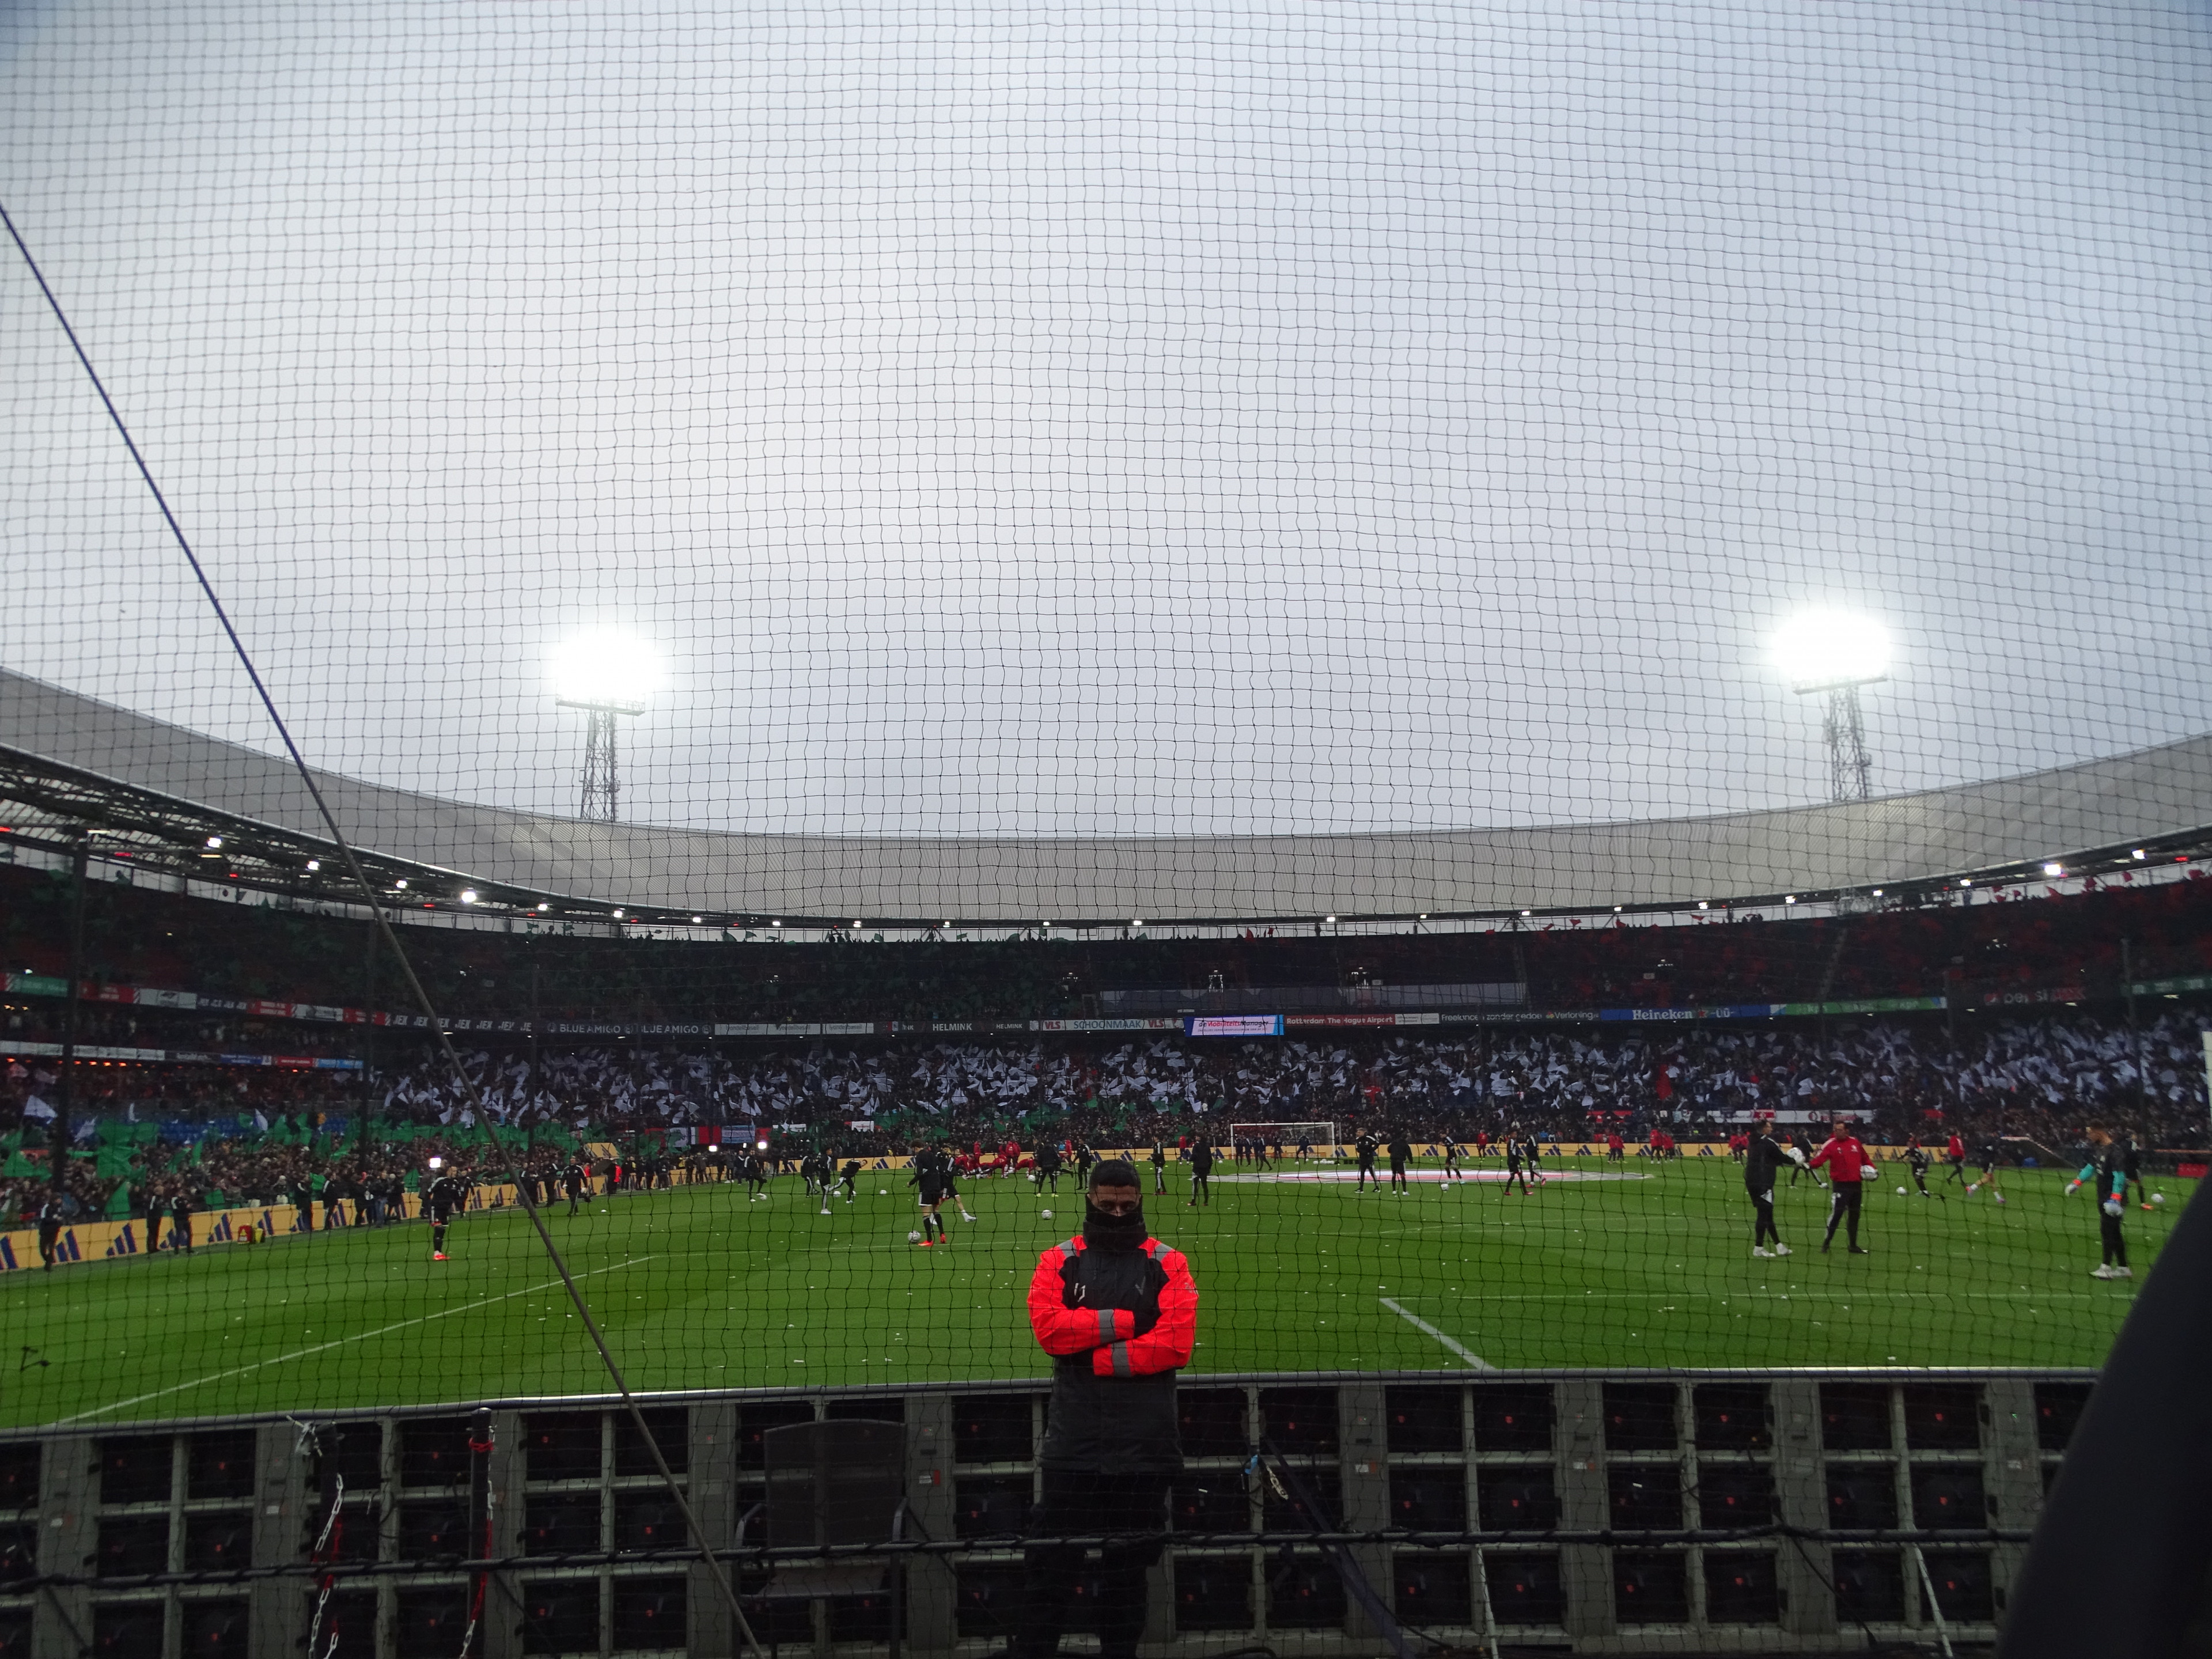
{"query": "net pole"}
pixel 65 1089
pixel 367 1044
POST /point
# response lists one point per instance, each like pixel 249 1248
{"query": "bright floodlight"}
pixel 605 669
pixel 1822 650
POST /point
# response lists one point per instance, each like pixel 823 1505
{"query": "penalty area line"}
pixel 1473 1358
pixel 323 1347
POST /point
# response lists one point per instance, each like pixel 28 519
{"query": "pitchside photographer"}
pixel 1117 1310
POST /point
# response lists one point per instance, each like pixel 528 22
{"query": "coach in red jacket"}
pixel 1847 1166
pixel 1116 1311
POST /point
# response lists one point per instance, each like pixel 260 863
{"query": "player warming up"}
pixel 1514 1169
pixel 1201 1172
pixel 445 1195
pixel 932 1176
pixel 1916 1160
pixel 1401 1154
pixel 1763 1161
pixel 1847 1167
pixel 1989 1156
pixel 2107 1169
pixel 1366 1146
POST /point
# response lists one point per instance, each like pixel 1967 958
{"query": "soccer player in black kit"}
pixel 1762 1163
pixel 1918 1160
pixel 1513 1170
pixel 1201 1172
pixel 932 1176
pixel 446 1194
pixel 1400 1154
pixel 1364 1146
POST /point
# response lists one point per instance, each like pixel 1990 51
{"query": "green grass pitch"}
pixel 698 1288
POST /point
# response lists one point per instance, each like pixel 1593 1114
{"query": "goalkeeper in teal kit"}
pixel 2107 1169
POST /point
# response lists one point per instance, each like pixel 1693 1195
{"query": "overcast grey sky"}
pixel 1287 417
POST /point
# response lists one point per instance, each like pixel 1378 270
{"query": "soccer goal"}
pixel 1320 1137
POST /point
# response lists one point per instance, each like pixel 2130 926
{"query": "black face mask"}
pixel 1117 1233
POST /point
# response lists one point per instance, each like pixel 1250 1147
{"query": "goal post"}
pixel 1320 1137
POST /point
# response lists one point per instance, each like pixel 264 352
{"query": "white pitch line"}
pixel 1472 1358
pixel 320 1347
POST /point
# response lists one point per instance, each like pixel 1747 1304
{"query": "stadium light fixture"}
pixel 1827 650
pixel 1701 904
pixel 694 922
pixel 1332 920
pixel 1136 921
pixel 605 669
pixel 545 906
pixel 775 924
pixel 1790 898
pixel 468 896
pixel 1831 653
pixel 2140 854
pixel 214 843
pixel 607 673
pixel 313 864
pixel 401 883
pixel 437 1163
pixel 1524 913
pixel 2054 869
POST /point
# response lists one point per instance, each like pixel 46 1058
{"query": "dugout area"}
pixel 1692 1513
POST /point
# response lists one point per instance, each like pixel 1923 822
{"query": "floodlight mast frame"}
pixel 601 796
pixel 1842 729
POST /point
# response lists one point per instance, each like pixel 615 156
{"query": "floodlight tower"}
pixel 1831 654
pixel 608 676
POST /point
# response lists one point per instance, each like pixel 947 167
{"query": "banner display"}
pixel 1233 1025
pixel 151 1056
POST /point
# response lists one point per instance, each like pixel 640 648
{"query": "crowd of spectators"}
pixel 282 1137
pixel 1891 1073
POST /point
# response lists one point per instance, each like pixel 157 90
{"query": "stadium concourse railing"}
pixel 1617 1512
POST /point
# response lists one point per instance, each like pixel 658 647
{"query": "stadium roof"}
pixel 72 758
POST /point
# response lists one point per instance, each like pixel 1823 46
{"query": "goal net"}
pixel 1319 1137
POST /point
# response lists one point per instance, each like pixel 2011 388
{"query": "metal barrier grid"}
pixel 1615 1512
